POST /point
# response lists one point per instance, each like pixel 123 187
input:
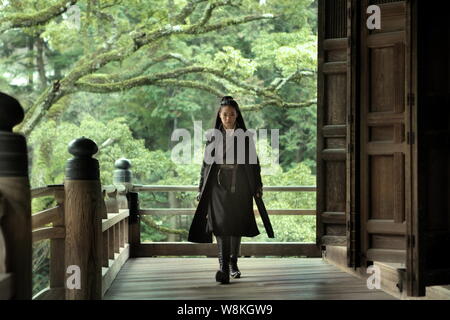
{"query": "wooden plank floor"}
pixel 262 279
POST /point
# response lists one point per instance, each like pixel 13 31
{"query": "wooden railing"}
pixel 115 246
pixel 114 239
pixel 247 248
pixel 88 234
pixel 87 229
pixel 56 233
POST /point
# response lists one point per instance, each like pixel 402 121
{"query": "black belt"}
pixel 233 178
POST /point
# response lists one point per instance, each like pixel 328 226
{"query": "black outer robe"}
pixel 198 231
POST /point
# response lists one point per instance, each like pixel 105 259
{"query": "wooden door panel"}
pixel 384 151
pixel 332 123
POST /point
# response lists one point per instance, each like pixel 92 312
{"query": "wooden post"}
pixel 84 209
pixel 105 253
pixel 111 243
pixel 116 237
pixel 122 233
pixel 15 191
pixel 57 247
pixel 123 175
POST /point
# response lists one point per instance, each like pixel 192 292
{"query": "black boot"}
pixel 223 244
pixel 235 246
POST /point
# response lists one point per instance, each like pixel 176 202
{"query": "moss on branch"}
pixel 24 20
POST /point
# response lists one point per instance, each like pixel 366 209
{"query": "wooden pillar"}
pixel 15 192
pixel 84 210
pixel 123 175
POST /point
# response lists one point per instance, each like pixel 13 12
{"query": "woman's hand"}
pixel 259 192
pixel 198 196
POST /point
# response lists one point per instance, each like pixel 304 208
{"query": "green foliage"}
pixel 41 265
pixel 232 63
pixel 50 154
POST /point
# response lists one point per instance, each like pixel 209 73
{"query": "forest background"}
pixel 127 73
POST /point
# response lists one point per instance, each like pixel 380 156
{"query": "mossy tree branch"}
pixel 24 20
pixel 135 72
pixel 170 78
pixel 88 66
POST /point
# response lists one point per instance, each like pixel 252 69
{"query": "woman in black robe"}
pixel 229 181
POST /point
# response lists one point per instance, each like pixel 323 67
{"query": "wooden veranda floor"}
pixel 262 279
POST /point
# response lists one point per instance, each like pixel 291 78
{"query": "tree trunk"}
pixel 30 44
pixel 40 63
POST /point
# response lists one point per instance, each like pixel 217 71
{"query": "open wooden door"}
pixel 430 261
pixel 335 131
pixel 388 230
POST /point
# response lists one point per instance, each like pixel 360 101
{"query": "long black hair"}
pixel 229 101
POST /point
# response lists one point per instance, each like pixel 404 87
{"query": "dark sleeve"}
pixel 202 171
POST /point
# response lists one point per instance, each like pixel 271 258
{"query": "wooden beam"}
pixel 386 255
pixel 334 67
pixel 379 118
pixel 49 233
pixel 163 188
pixel 383 39
pixel 386 227
pixel 333 217
pixel 334 131
pixel 45 217
pixel 393 278
pixel 334 154
pixel 384 149
pixel 187 211
pixel 114 218
pixel 210 249
pixel 46 191
pixel 335 44
pixel 334 241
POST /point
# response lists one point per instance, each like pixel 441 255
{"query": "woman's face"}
pixel 228 116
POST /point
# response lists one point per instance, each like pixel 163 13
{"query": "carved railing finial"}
pixel 82 166
pixel 122 174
